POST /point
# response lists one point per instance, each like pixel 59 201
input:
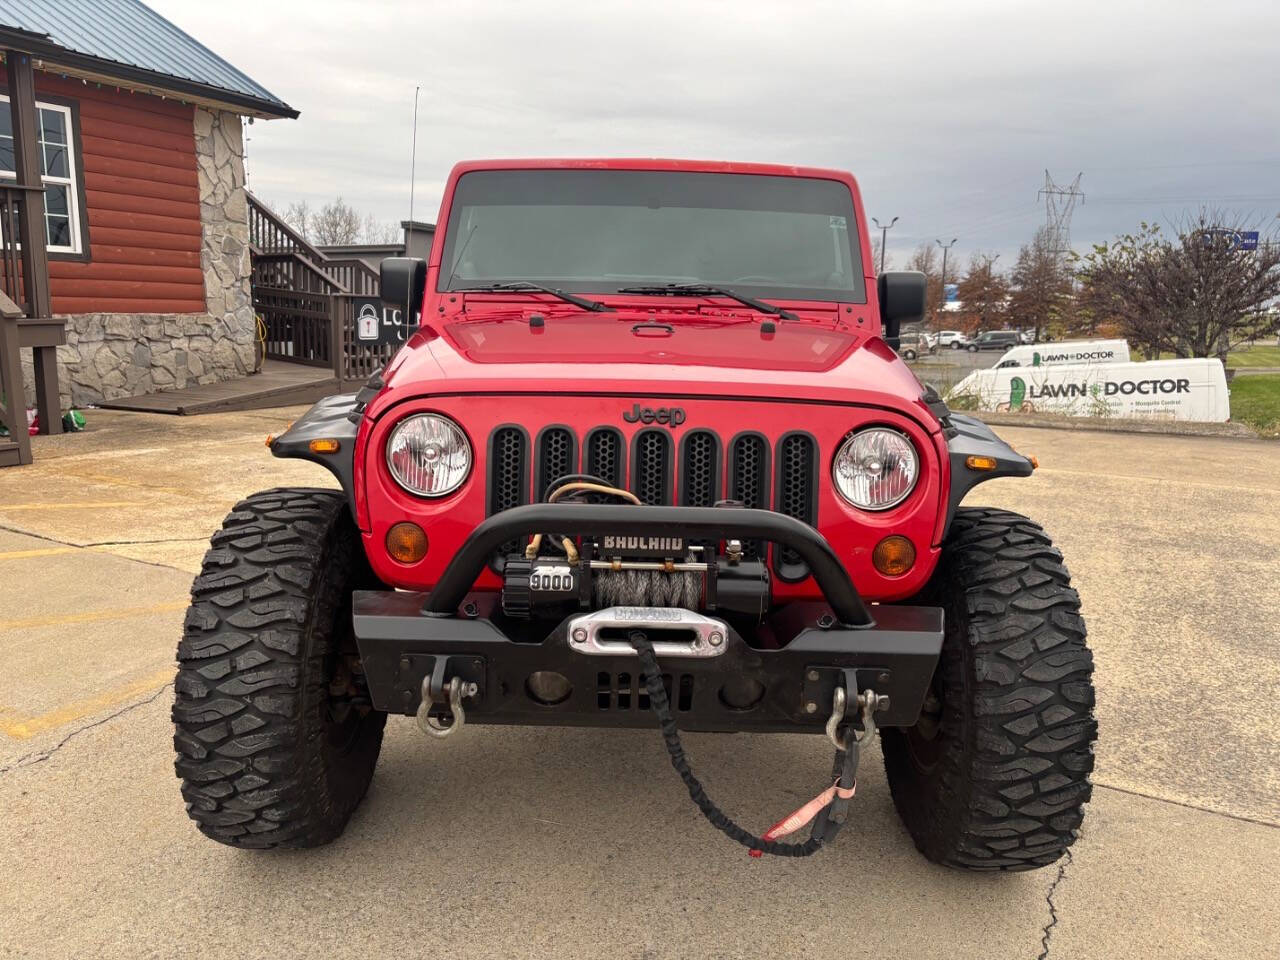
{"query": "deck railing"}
pixel 15 449
pixel 294 271
pixel 355 275
pixel 270 234
pixel 299 325
pixel 305 299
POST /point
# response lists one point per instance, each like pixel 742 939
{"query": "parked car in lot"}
pixel 913 345
pixel 1027 336
pixel 994 340
pixel 955 339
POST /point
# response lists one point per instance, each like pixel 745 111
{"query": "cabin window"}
pixel 63 233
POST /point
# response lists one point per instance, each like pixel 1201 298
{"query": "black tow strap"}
pixel 825 825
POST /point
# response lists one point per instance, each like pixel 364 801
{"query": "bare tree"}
pixel 1041 284
pixel 378 231
pixel 336 223
pixel 298 215
pixel 983 292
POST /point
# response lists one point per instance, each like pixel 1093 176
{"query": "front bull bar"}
pixel 694 523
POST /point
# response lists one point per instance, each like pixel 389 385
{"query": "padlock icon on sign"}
pixel 367 322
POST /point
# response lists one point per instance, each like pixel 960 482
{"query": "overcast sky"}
pixel 948 113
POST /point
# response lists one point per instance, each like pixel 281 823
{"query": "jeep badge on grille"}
pixel 673 416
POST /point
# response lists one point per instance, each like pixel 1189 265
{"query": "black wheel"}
pixel 908 354
pixel 973 348
pixel 995 774
pixel 275 734
pixel 955 344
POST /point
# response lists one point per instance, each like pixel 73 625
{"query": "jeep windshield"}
pixel 604 231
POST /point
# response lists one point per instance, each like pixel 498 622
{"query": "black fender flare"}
pixel 970 437
pixel 333 418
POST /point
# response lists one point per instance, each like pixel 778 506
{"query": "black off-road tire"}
pixel 275 736
pixel 996 773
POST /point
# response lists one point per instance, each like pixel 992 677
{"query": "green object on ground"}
pixel 73 421
pixel 1255 400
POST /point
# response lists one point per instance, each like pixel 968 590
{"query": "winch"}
pixel 556 575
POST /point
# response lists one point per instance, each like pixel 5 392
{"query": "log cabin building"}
pixel 122 137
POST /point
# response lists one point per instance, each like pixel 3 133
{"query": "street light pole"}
pixel 942 294
pixel 884 238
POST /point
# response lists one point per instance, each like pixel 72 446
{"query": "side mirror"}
pixel 404 281
pixel 902 300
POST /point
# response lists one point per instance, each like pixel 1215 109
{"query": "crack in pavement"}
pixel 1047 935
pixel 109 543
pixel 128 543
pixel 32 759
pixel 1243 818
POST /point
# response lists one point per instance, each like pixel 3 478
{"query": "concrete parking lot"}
pixel 572 843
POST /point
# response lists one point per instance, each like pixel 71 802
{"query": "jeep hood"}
pixel 656 355
pixel 655 340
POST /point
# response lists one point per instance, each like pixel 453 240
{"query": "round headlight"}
pixel 875 469
pixel 429 455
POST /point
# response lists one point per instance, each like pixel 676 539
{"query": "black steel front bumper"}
pixel 742 688
pixel 784 680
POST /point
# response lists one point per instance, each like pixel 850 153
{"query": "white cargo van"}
pixel 1068 351
pixel 1155 390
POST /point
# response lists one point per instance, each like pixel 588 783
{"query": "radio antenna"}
pixel 413 170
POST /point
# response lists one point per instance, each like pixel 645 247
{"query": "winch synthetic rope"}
pixel 647 588
pixel 825 826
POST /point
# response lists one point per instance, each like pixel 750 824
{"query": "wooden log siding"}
pixel 142 200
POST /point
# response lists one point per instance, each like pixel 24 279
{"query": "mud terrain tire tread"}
pixel 259 645
pixel 1011 774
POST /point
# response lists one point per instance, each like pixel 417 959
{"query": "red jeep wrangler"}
pixel 649 452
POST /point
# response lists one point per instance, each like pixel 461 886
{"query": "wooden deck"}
pixel 280 384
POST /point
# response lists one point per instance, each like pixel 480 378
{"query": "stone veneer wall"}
pixel 122 355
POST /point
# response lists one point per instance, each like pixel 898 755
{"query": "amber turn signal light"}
pixel 981 463
pixel 894 556
pixel 326 445
pixel 406 542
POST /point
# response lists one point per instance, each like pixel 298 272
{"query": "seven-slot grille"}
pixel 695 471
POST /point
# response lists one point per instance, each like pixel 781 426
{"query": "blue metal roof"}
pixel 130 33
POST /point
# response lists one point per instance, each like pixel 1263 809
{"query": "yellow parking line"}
pixel 41 552
pixel 119 613
pixel 70 505
pixel 55 551
pixel 121 481
pixel 27 727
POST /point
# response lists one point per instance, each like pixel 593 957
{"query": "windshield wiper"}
pixel 595 306
pixel 710 289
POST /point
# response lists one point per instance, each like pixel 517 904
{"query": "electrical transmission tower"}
pixel 1059 202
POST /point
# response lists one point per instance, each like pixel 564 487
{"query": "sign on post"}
pixel 377 323
pixel 1235 239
